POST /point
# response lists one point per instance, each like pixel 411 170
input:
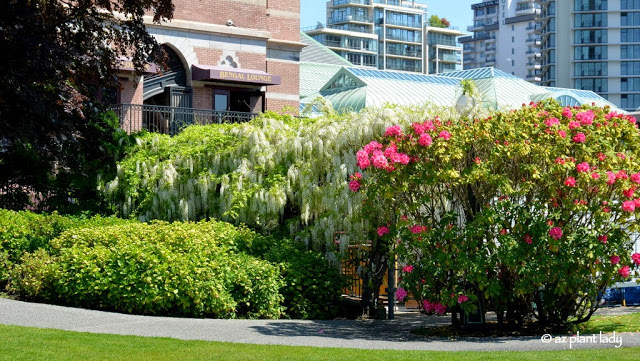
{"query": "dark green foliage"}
pixel 58 62
pixel 312 286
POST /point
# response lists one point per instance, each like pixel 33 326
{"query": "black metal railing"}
pixel 171 120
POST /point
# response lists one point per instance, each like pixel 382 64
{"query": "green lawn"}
pixel 25 343
pixel 623 323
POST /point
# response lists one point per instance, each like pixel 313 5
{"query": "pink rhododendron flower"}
pixel 636 258
pixel 624 271
pixel 601 156
pixel 382 230
pixel 401 293
pixel 440 309
pixel 562 133
pixel 560 160
pixel 477 160
pixel 363 159
pixel 425 140
pixel 528 239
pixel 615 259
pixel 463 299
pixel 629 193
pixel 567 113
pixel 611 178
pixel 622 175
pixel 428 126
pixel 586 118
pixel 603 238
pixel 418 128
pixel 390 150
pixel 628 206
pixel 579 138
pixel 570 182
pixel 551 122
pixel 610 115
pixel 637 203
pixel 582 167
pixel 573 125
pixel 393 131
pixel 635 178
pixel 356 175
pixel 379 160
pixel 373 145
pixel 445 135
pixel 354 185
pixel 416 229
pixel 407 269
pixel 428 306
pixel 555 233
pixel 595 175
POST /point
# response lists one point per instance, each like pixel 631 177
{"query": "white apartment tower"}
pixel 382 34
pixel 504 36
pixel 593 45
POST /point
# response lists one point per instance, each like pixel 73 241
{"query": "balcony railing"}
pixel 349 18
pixel 404 52
pixel 171 120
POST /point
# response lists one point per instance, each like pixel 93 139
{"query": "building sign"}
pixel 127 64
pixel 202 72
pixel 484 4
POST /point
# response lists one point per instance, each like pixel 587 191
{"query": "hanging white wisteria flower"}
pixel 275 171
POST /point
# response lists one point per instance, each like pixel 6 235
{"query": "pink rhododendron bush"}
pixel 530 213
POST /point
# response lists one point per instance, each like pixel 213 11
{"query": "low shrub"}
pixel 210 268
pixel 312 286
pixel 181 269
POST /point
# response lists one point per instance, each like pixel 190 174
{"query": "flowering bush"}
pixel 528 212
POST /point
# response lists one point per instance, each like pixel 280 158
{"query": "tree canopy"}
pixel 436 21
pixel 57 57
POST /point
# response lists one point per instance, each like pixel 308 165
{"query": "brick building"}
pixel 228 60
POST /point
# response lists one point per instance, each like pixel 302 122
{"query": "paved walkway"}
pixel 366 334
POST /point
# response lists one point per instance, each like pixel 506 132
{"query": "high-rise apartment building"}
pixel 593 45
pixel 442 51
pixel 382 34
pixel 504 36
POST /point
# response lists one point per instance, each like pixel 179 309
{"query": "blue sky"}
pixel 458 12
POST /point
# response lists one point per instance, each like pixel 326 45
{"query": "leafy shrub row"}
pixel 204 269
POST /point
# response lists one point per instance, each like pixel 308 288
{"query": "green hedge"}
pixel 26 232
pixel 160 268
pixel 204 269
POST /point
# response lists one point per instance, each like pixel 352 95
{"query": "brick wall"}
pixel 290 77
pixel 131 93
pixel 284 22
pixel 202 98
pixel 244 13
pixel 277 105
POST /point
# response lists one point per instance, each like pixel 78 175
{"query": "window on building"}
pixel 630 35
pixel 479 12
pixel 343 81
pixel 630 4
pixel 630 84
pixel 592 36
pixel 492 10
pixel 598 85
pixel 598 20
pixel 630 101
pixel 590 52
pixel 630 19
pixel 591 69
pixel 590 5
pixel 630 68
pixel 630 51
